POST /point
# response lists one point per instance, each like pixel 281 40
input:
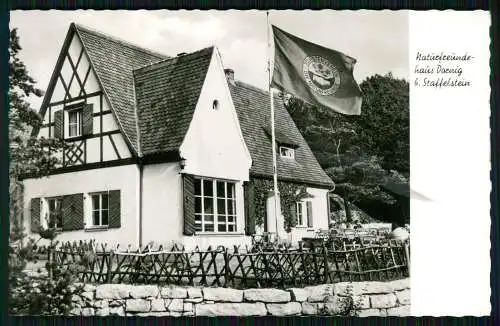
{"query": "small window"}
pixel 55 213
pixel 75 123
pixel 215 105
pixel 287 152
pixel 100 209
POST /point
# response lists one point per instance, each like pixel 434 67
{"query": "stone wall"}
pixel 369 298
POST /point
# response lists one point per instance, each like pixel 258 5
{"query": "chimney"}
pixel 230 76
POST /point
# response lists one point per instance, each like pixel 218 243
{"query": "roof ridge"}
pixel 171 58
pixel 120 41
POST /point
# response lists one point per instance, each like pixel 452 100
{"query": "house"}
pixel 164 149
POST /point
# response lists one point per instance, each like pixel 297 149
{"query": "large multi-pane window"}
pixel 100 209
pixel 55 213
pixel 215 205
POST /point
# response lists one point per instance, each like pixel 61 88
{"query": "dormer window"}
pixel 287 152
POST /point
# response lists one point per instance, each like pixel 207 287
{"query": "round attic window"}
pixel 215 105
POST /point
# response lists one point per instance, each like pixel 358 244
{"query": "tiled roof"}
pixel 254 113
pixel 114 60
pixel 167 93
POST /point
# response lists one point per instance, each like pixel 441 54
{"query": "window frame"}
pixel 100 209
pixel 299 208
pixel 287 149
pixel 78 109
pixel 54 199
pixel 200 220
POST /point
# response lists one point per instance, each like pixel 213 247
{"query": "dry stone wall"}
pixel 365 298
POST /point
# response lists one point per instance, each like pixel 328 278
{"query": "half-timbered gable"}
pixel 90 98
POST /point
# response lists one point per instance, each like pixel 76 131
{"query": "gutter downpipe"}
pixel 141 179
pixel 140 166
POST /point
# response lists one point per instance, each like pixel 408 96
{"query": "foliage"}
pixel 382 129
pixel 29 294
pixel 350 305
pixel 290 194
pixel 360 153
pixel 27 154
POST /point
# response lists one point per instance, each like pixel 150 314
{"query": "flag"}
pixel 315 74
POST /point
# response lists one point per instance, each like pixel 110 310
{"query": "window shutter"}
pixel 293 213
pixel 249 197
pixel 188 194
pixel 58 124
pixel 72 212
pixel 35 215
pixel 309 214
pixel 114 209
pixel 87 119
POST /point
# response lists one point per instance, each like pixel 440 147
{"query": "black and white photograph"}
pixel 209 163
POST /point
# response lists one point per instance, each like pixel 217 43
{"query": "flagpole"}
pixel 273 133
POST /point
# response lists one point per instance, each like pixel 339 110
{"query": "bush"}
pixel 35 295
pixel 42 295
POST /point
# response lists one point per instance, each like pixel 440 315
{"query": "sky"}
pixel 377 39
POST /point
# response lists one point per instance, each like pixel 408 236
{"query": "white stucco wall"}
pixel 123 178
pixel 319 218
pixel 214 146
pixel 162 203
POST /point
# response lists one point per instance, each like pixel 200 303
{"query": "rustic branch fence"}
pixel 236 267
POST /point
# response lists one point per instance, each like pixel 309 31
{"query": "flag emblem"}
pixel 321 75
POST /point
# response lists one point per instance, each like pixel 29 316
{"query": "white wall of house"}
pixel 162 204
pixel 214 145
pixel 319 218
pixel 123 178
pixel 163 215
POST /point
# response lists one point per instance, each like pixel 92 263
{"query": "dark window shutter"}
pixel 249 197
pixel 309 214
pixel 87 119
pixel 293 213
pixel 58 124
pixel 72 212
pixel 35 215
pixel 188 194
pixel 114 209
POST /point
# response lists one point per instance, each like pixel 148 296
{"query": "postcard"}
pixel 250 163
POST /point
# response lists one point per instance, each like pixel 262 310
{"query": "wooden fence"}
pixel 237 267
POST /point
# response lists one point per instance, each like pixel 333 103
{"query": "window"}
pixel 300 214
pixel 215 105
pixel 100 209
pixel 55 213
pixel 215 205
pixel 75 123
pixel 287 152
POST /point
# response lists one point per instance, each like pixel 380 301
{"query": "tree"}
pixel 384 124
pixel 30 155
pixel 27 154
pixel 362 152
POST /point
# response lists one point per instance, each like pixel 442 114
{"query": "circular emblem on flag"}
pixel 321 75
